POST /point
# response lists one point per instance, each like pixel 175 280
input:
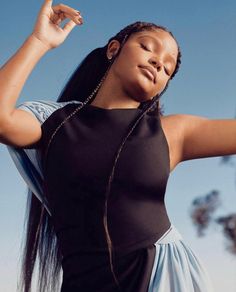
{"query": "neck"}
pixel 111 95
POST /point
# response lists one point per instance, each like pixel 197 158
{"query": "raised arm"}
pixel 203 137
pixel 18 127
pixel 191 137
pixel 13 76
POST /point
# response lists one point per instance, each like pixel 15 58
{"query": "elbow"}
pixel 4 124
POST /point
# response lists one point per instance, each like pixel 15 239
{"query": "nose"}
pixel 156 63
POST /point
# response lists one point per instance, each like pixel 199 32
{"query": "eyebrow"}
pixel 155 40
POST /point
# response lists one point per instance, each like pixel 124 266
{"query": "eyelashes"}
pixel 146 48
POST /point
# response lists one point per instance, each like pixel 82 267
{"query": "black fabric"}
pixel 76 172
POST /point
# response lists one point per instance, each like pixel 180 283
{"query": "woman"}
pixel 97 162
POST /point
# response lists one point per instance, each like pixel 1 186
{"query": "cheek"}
pixel 162 85
pixel 129 59
pixel 125 69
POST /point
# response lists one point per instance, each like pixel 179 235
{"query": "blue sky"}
pixel 204 86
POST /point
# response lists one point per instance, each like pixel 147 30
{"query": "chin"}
pixel 141 86
pixel 142 98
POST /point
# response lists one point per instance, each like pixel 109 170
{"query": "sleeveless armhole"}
pixel 28 160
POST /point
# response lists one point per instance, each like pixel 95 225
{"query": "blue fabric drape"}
pixel 27 160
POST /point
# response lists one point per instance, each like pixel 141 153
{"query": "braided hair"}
pixel 99 61
pixel 41 235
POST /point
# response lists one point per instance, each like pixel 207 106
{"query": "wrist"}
pixel 32 38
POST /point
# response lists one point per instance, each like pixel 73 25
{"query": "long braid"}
pixel 153 102
pixel 122 37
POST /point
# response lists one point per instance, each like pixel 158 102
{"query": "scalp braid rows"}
pixel 121 36
pixel 147 106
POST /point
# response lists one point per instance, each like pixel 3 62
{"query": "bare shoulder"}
pixel 175 128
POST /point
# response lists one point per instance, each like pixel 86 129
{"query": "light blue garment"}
pixel 28 161
pixel 176 267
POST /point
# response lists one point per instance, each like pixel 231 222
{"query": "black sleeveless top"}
pixel 76 171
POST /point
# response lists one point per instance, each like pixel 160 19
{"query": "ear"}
pixel 113 48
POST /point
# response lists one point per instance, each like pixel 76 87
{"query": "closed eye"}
pixel 167 72
pixel 146 48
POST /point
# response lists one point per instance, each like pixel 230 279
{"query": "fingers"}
pixel 46 5
pixel 58 18
pixel 66 11
pixel 76 18
pixel 69 26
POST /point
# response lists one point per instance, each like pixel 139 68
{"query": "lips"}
pixel 151 71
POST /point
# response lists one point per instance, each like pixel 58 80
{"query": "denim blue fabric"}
pixel 176 267
pixel 28 161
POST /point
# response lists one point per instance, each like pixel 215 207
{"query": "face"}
pixel 156 50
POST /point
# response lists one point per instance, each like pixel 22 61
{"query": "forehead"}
pixel 162 37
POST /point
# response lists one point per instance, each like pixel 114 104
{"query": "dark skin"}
pixel 126 84
pixel 188 136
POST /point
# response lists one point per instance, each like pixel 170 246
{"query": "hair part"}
pixel 40 238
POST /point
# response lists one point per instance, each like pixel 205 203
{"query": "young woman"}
pixel 97 162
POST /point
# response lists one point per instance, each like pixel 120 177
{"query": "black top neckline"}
pixel 112 109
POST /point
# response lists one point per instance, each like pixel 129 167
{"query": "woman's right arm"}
pixel 18 127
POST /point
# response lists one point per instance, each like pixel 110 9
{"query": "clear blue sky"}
pixel 204 86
